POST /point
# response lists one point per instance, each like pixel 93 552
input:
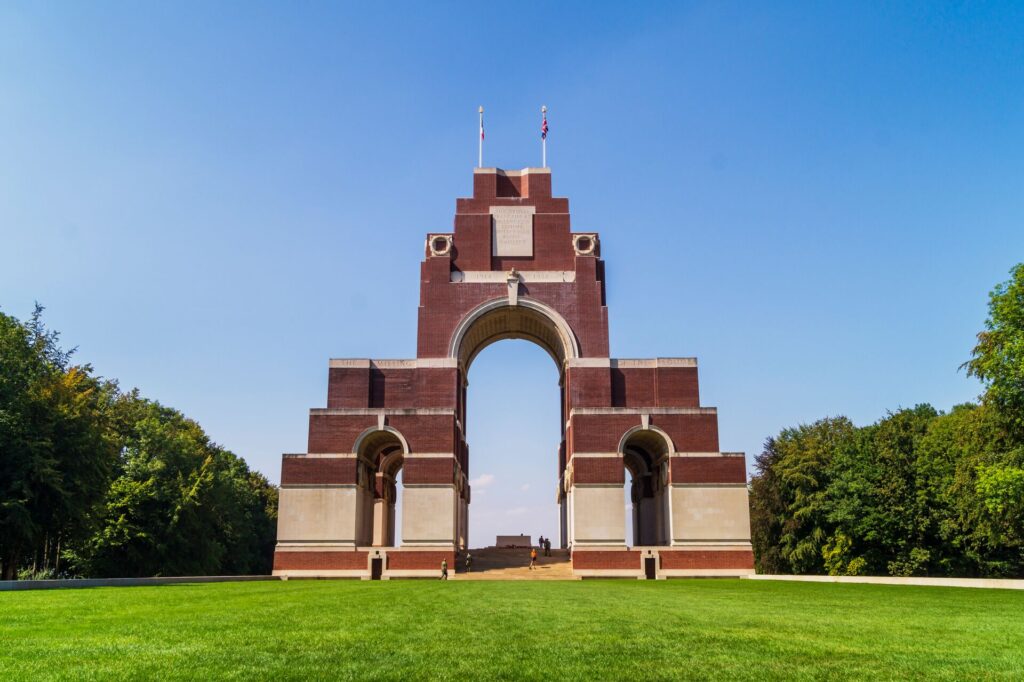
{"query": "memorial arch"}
pixel 511 268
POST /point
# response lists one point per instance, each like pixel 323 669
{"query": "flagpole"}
pixel 480 160
pixel 544 139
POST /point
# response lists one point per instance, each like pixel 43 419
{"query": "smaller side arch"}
pixel 376 435
pixel 655 432
pixel 380 452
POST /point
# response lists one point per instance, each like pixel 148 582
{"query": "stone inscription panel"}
pixel 512 230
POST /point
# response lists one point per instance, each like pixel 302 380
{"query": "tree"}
pixel 998 357
pixel 917 493
pixel 55 454
pixel 789 525
pixel 105 483
pixel 180 505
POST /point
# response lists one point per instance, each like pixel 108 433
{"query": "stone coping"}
pixel 632 363
pixel 510 173
pixel 386 411
pixel 641 410
pixel 410 363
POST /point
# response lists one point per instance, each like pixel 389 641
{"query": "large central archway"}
pixel 513 318
pixel 513 433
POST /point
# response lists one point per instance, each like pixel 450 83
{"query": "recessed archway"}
pixel 645 452
pixel 381 453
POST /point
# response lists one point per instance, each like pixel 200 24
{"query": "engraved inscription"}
pixel 512 230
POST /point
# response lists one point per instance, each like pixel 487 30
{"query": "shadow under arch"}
pixel 527 319
pixel 645 452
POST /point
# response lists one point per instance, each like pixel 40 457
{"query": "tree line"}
pixel 100 482
pixel 919 492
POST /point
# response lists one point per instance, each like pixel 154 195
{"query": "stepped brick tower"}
pixel 511 268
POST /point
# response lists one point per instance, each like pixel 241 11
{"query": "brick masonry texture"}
pixel 411 561
pixel 324 561
pixel 429 470
pixel 330 433
pixel 730 469
pixel 629 560
pixel 304 470
pixel 696 559
pixel 598 470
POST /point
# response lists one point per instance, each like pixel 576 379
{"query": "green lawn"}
pixel 725 629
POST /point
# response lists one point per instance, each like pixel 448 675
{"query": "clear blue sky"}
pixel 214 199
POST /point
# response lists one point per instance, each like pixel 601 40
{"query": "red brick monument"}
pixel 511 268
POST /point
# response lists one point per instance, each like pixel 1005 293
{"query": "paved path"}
pixel 492 563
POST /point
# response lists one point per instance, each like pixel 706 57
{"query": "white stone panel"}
pixel 428 515
pixel 711 513
pixel 512 230
pixel 317 514
pixel 598 515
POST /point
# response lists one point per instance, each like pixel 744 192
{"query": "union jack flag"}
pixel 544 128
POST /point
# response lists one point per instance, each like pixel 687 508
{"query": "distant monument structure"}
pixel 512 269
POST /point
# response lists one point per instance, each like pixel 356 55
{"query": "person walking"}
pixel 444 569
pixel 547 546
pixel 533 558
pixel 469 562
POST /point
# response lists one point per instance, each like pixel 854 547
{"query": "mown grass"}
pixel 722 629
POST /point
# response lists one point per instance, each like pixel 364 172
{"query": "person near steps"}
pixel 533 558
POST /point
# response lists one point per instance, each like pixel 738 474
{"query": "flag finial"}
pixel 480 157
pixel 544 136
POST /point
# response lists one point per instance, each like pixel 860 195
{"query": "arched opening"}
pixel 645 453
pixel 522 415
pixel 514 439
pixel 381 454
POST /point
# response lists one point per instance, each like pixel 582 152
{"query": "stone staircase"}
pixel 494 563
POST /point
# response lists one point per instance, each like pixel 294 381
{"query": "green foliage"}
pixel 917 493
pixel 998 357
pixel 37 574
pixel 788 503
pixel 838 560
pixel 97 482
pixel 56 454
pixel 1002 491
